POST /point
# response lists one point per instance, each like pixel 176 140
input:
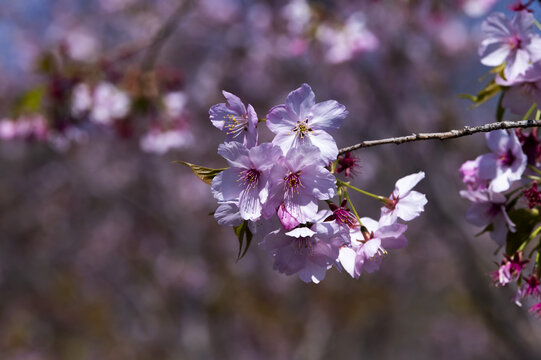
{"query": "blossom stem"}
pixel 378 197
pixel 353 208
pixel 530 111
pixel 466 131
pixel 537 24
pixel 534 169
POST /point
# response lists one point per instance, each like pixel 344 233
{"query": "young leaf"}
pixel 525 221
pixel 31 101
pixel 204 173
pixel 243 231
pixel 491 90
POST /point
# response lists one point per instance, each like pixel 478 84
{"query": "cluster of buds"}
pixel 275 189
pixel 503 184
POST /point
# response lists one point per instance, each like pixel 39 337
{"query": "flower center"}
pixel 507 159
pixel 293 182
pixel 235 125
pixel 249 178
pixel 515 42
pixel 302 129
pixel 345 217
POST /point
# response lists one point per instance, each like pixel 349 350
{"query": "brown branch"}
pixel 467 130
pixel 159 39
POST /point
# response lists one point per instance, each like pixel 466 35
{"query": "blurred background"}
pixel 107 249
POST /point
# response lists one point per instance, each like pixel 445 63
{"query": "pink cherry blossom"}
pixel 404 203
pixel 308 252
pixel 511 42
pixel 366 249
pixel 505 164
pixel 489 208
pixel 299 181
pixel 301 121
pixel 469 172
pixel 248 178
pixel 238 122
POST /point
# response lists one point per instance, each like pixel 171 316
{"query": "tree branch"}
pixel 467 130
pixel 158 40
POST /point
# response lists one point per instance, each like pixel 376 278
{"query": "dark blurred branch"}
pixel 467 130
pixel 161 36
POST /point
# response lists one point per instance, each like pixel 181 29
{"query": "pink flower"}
pixel 298 181
pixel 511 42
pixel 489 208
pixel 301 121
pixel 505 164
pixel 367 248
pixel 469 172
pixel 404 203
pixel 247 180
pixel 308 252
pixel 104 104
pixel 238 122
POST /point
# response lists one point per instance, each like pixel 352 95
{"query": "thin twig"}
pixel 467 130
pixel 159 39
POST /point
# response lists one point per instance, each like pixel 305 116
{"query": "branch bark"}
pixel 467 130
pixel 165 31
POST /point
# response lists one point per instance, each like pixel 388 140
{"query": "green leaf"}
pixel 31 101
pixel 204 173
pixel 491 90
pixel 245 238
pixel 525 221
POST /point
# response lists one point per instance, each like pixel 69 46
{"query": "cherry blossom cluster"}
pixel 503 184
pixel 71 104
pixel 276 189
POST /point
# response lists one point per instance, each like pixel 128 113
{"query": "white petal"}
pixel 407 183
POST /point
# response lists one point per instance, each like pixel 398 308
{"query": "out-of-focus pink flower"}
pixel 469 172
pixel 81 45
pixel 476 8
pixel 348 41
pixel 160 141
pixel 404 202
pixel 103 104
pixel 489 208
pixel 511 42
pixel 505 164
pixel 28 127
pixel 298 15
pixel 174 103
